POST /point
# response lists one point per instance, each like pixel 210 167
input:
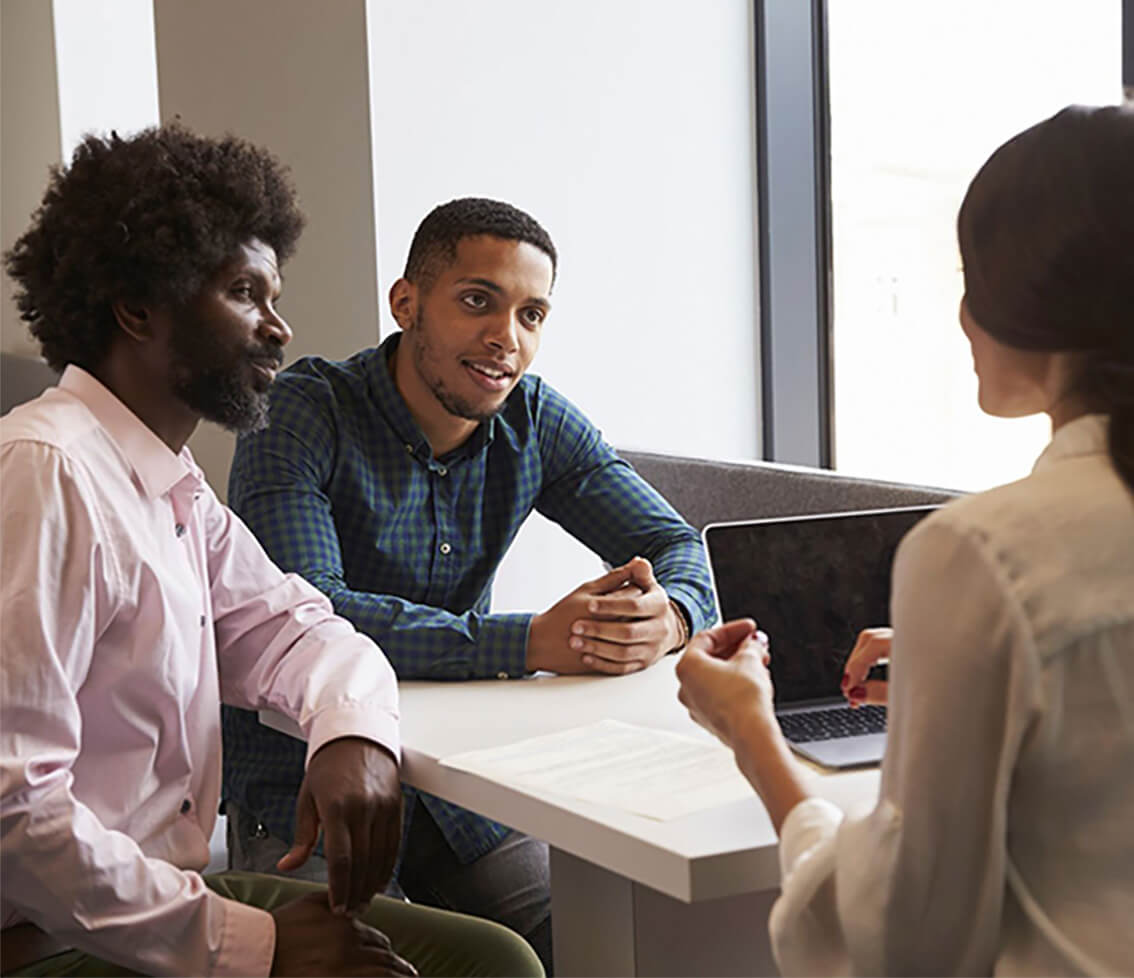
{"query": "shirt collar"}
pixel 1085 435
pixel 157 468
pixel 394 409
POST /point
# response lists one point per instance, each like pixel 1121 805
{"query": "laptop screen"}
pixel 812 583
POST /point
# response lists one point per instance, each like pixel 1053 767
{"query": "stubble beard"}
pixel 423 355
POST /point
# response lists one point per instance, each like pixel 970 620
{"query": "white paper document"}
pixel 653 773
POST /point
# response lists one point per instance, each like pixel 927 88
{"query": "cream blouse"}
pixel 1003 838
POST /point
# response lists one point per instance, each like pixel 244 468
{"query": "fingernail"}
pixel 846 679
pixel 588 661
pixel 857 692
pixel 576 643
pixel 592 606
pixel 577 628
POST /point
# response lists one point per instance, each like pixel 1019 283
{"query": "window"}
pixel 920 95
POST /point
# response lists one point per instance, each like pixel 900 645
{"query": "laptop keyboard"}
pixel 833 724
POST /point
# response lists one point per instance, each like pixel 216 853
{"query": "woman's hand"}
pixel 724 678
pixel 726 686
pixel 872 646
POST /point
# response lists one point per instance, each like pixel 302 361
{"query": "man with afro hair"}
pixel 134 603
pixel 395 482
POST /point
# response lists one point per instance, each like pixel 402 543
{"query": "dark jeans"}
pixel 510 884
pixel 434 941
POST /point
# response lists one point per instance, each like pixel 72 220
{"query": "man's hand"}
pixel 618 623
pixel 310 940
pixel 351 788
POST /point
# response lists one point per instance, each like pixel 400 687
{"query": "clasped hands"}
pixel 618 623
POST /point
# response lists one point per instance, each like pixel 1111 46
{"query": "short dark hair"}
pixel 1046 232
pixel 435 242
pixel 148 218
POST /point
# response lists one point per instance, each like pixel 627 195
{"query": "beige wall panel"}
pixel 29 137
pixel 291 75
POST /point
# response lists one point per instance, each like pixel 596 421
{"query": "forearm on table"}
pixel 425 642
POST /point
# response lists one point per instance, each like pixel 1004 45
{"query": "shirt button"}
pixel 409 448
pixel 186 805
pixel 445 548
pixel 179 529
pixel 442 471
pixel 502 675
pixel 202 621
pixel 261 831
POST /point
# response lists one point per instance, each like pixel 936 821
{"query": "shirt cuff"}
pixel 354 720
pixel 248 940
pixel 693 605
pixel 503 644
pixel 809 823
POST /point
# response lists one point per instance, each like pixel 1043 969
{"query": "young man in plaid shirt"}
pixel 396 480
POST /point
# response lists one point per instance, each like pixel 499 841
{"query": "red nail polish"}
pixel 857 693
pixel 846 679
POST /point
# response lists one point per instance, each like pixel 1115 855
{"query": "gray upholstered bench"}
pixel 705 491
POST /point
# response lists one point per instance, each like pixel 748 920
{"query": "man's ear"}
pixel 133 319
pixel 403 303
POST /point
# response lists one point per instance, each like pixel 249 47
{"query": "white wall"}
pixel 625 127
pixel 107 67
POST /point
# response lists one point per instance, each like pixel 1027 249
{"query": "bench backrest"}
pixel 705 491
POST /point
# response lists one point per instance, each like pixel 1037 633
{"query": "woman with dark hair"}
pixel 1003 838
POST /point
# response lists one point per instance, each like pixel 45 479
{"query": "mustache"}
pixel 270 355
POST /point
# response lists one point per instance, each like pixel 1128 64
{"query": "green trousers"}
pixel 436 942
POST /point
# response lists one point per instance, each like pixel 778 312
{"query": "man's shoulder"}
pixel 539 415
pixel 314 382
pixel 55 419
pixel 314 371
pixel 535 398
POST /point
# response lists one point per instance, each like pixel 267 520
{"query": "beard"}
pixel 213 379
pixel 424 356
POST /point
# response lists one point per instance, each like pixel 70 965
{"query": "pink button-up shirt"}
pixel 133 602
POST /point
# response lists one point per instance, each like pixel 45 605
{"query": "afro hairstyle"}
pixel 149 219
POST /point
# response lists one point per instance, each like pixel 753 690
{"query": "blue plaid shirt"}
pixel 344 489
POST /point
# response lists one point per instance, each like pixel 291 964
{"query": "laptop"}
pixel 813 583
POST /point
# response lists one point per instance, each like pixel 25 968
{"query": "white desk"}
pixel 630 896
